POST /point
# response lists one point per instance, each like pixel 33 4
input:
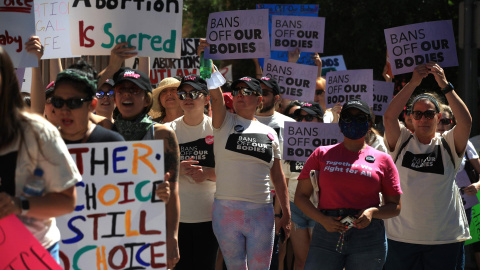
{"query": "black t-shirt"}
pixel 100 134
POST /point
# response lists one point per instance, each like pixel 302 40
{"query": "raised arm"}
pixel 119 53
pixel 37 91
pixel 258 69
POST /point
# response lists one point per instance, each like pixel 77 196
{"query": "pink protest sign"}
pixel 239 34
pixel 415 44
pixel 382 95
pixel 349 84
pixel 20 250
pixel 297 32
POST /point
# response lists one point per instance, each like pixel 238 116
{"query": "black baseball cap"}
pixel 311 108
pixel 139 78
pixel 272 84
pixel 252 83
pixel 195 81
pixel 357 104
pixel 110 82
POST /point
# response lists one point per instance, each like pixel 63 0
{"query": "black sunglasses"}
pixel 308 118
pixel 244 91
pixel 319 92
pixel 101 94
pixel 429 114
pixel 445 121
pixel 192 94
pixel 348 118
pixel 72 103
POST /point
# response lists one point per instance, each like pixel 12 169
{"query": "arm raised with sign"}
pixel 118 55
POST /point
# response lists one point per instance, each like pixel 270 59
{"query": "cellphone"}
pixel 281 235
pixel 348 221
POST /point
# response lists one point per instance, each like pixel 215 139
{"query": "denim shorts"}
pixel 299 219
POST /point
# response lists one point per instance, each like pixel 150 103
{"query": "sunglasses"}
pixel 133 91
pixel 308 118
pixel 429 114
pixel 72 103
pixel 192 94
pixel 445 121
pixel 101 94
pixel 319 92
pixel 359 118
pixel 244 91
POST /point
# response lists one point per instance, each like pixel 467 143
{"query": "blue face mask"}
pixel 354 130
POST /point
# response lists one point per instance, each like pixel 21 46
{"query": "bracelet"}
pixel 447 88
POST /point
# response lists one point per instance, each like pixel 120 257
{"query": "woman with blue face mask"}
pixel 349 232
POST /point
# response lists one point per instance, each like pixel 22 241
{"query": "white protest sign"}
pixel 239 34
pixel 349 84
pixel 297 32
pixel 227 72
pixel 52 25
pixel 332 63
pixel 382 95
pixel 118 222
pixel 302 138
pixel 27 81
pixel 154 28
pixel 296 81
pixel 412 45
pixel 17 25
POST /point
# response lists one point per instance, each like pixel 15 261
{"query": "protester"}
pixel 166 105
pixel 293 106
pixel 428 232
pixel 106 104
pixel 196 240
pixel 133 98
pixel 28 142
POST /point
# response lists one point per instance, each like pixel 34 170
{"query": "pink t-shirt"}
pixel 352 179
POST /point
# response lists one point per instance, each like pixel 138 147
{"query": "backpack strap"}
pixel 403 146
pixel 447 147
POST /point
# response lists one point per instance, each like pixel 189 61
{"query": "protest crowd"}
pixel 264 171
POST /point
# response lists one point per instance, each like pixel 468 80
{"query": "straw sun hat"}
pixel 164 84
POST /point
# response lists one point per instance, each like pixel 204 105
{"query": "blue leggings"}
pixel 244 231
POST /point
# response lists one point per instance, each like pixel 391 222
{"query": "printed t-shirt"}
pixel 292 173
pixel 432 212
pixel 244 153
pixel 196 199
pixel 350 179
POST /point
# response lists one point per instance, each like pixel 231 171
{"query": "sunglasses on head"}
pixel 101 94
pixel 192 94
pixel 308 118
pixel 445 121
pixel 319 92
pixel 72 103
pixel 429 114
pixel 359 118
pixel 244 91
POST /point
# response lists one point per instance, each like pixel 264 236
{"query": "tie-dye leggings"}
pixel 244 230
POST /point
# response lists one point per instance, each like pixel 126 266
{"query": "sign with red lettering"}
pixel 25 254
pixel 119 222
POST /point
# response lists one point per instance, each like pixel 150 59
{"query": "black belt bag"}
pixel 342 212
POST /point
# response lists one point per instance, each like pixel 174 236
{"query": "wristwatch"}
pixel 447 88
pixel 24 205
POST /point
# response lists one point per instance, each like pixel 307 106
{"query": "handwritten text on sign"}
pixel 301 138
pixel 292 32
pixel 349 84
pixel 97 26
pixel 412 45
pixel 118 221
pixel 238 34
pixel 296 81
pixel 382 95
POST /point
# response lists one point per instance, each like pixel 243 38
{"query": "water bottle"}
pixel 205 67
pixel 35 185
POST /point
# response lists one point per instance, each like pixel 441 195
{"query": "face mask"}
pixel 354 130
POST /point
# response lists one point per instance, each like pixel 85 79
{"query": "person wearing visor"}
pixel 428 232
pixel 349 232
pixel 106 104
pixel 197 243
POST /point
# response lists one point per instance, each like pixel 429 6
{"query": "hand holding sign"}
pixel 34 46
pixel 163 189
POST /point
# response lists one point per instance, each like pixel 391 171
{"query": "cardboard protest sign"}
pixel 302 138
pixel 118 222
pixel 53 27
pixel 382 95
pixel 154 28
pixel 296 81
pixel 17 25
pixel 239 34
pixel 332 63
pixel 27 253
pixel 349 84
pixel 227 72
pixel 297 32
pixel 292 10
pixel 412 45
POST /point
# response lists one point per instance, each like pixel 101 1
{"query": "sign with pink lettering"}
pixel 17 25
pixel 382 95
pixel 349 84
pixel 119 222
pixel 415 44
pixel 154 28
pixel 25 254
pixel 297 32
pixel 239 34
pixel 296 81
pixel 300 139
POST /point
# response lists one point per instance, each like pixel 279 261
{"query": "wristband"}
pixel 24 205
pixel 278 215
pixel 447 88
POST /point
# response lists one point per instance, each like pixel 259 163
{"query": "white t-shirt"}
pixel 328 116
pixel 379 144
pixel 462 176
pixel 432 211
pixel 196 199
pixel 48 152
pixel 244 153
